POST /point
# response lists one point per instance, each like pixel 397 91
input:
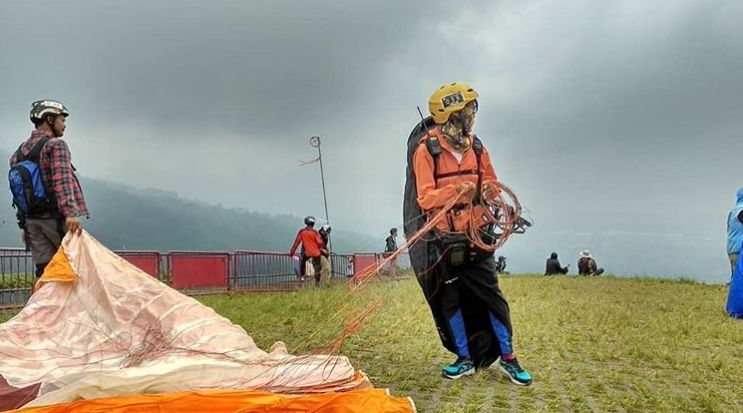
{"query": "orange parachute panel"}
pixel 233 401
pixel 58 269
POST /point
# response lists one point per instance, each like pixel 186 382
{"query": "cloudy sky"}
pixel 618 123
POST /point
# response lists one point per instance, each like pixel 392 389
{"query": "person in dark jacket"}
pixel 391 242
pixel 325 272
pixel 553 266
pixel 587 265
pixel 390 246
pixel 325 236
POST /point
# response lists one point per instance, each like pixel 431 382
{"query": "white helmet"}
pixel 42 108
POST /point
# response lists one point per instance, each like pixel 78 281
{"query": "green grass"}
pixel 592 344
pixel 12 281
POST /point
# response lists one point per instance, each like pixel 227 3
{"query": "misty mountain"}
pixel 123 217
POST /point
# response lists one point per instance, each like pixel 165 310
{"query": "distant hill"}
pixel 149 219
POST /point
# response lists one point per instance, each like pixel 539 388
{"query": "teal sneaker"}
pixel 462 367
pixel 513 370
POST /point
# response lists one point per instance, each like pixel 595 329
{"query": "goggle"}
pixel 473 106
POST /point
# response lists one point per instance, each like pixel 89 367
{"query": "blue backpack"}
pixel 27 185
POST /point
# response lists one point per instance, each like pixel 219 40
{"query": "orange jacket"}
pixel 311 242
pixel 433 194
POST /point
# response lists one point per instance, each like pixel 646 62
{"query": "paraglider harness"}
pixel 456 244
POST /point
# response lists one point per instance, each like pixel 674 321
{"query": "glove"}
pixel 467 189
pixel 488 191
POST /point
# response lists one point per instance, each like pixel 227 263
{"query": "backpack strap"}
pixel 478 148
pixel 434 149
pixel 35 153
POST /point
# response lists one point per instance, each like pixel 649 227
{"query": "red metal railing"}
pixel 363 261
pixel 194 272
pixel 264 271
pixel 198 270
pixel 147 261
pixel 342 265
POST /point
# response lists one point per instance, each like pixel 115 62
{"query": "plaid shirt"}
pixel 58 173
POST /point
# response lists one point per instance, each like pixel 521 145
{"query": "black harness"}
pixel 456 246
pixel 434 149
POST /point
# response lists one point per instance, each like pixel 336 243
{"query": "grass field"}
pixel 592 344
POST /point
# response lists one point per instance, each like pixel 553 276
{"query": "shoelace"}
pixel 460 362
pixel 514 365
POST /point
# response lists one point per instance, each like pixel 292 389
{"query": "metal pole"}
pixel 315 141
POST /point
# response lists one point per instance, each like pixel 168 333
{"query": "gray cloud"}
pixel 262 68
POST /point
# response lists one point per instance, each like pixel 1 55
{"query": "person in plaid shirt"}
pixel 43 230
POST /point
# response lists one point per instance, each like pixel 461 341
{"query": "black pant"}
pixel 473 280
pixel 472 289
pixel 316 265
pixel 43 236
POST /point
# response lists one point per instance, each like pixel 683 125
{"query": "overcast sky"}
pixel 604 117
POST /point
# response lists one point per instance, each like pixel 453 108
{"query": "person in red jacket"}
pixel 312 245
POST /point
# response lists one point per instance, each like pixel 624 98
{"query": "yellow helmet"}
pixel 448 99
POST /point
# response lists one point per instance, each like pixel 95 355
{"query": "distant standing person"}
pixel 325 252
pixel 311 246
pixel 553 266
pixel 57 205
pixel 390 247
pixel 349 267
pixel 391 242
pixel 325 235
pixel 735 230
pixel 587 265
